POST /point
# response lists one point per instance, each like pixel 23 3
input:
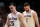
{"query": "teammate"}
pixel 14 18
pixel 30 16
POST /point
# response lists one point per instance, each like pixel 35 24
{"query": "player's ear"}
pixel 15 6
pixel 29 6
pixel 9 6
pixel 24 6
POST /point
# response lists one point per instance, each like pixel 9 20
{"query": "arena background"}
pixel 4 7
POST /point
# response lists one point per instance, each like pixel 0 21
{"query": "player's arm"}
pixel 36 18
pixel 21 18
pixel 6 25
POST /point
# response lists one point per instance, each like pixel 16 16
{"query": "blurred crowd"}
pixel 2 14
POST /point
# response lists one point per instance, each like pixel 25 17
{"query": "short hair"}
pixel 12 4
pixel 26 4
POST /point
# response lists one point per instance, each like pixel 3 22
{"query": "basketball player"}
pixel 30 16
pixel 14 18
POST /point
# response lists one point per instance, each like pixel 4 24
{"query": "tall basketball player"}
pixel 30 16
pixel 14 18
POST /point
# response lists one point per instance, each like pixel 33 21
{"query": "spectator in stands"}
pixel 1 20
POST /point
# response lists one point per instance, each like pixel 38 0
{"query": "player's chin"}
pixel 11 10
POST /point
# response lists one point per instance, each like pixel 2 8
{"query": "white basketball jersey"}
pixel 13 20
pixel 29 19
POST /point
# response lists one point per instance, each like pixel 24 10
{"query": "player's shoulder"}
pixel 18 13
pixel 9 14
pixel 24 12
pixel 33 11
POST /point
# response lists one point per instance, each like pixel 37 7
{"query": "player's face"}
pixel 12 8
pixel 26 8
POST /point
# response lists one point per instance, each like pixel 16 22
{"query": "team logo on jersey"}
pixel 13 18
pixel 27 16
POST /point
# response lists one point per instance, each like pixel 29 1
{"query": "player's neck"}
pixel 29 11
pixel 14 12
